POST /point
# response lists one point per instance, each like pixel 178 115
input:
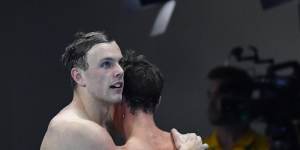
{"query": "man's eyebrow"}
pixel 108 59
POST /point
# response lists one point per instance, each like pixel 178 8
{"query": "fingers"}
pixel 204 146
pixel 177 138
pixel 175 132
pixel 190 137
pixel 199 139
pixel 189 141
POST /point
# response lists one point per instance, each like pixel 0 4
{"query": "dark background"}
pixel 199 36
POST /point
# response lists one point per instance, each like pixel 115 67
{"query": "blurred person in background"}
pixel 230 86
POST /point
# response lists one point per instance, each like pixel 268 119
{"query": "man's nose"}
pixel 119 71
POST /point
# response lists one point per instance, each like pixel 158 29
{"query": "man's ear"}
pixel 76 74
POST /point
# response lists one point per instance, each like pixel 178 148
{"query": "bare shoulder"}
pixel 76 134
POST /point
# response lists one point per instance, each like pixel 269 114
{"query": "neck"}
pixel 140 125
pixel 95 110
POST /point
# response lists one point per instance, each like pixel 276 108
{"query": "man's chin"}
pixel 116 99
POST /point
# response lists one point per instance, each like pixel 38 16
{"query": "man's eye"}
pixel 106 64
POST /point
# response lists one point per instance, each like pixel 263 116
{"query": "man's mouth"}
pixel 117 85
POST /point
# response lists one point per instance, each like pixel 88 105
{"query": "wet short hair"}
pixel 143 83
pixel 75 54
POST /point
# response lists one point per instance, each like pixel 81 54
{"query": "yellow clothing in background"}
pixel 249 141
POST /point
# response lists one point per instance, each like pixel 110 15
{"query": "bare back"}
pixel 161 141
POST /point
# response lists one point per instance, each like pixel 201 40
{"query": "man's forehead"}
pixel 105 51
pixel 104 46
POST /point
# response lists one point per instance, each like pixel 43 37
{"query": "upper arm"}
pixel 77 136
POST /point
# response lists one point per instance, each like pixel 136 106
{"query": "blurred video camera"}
pixel 276 98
